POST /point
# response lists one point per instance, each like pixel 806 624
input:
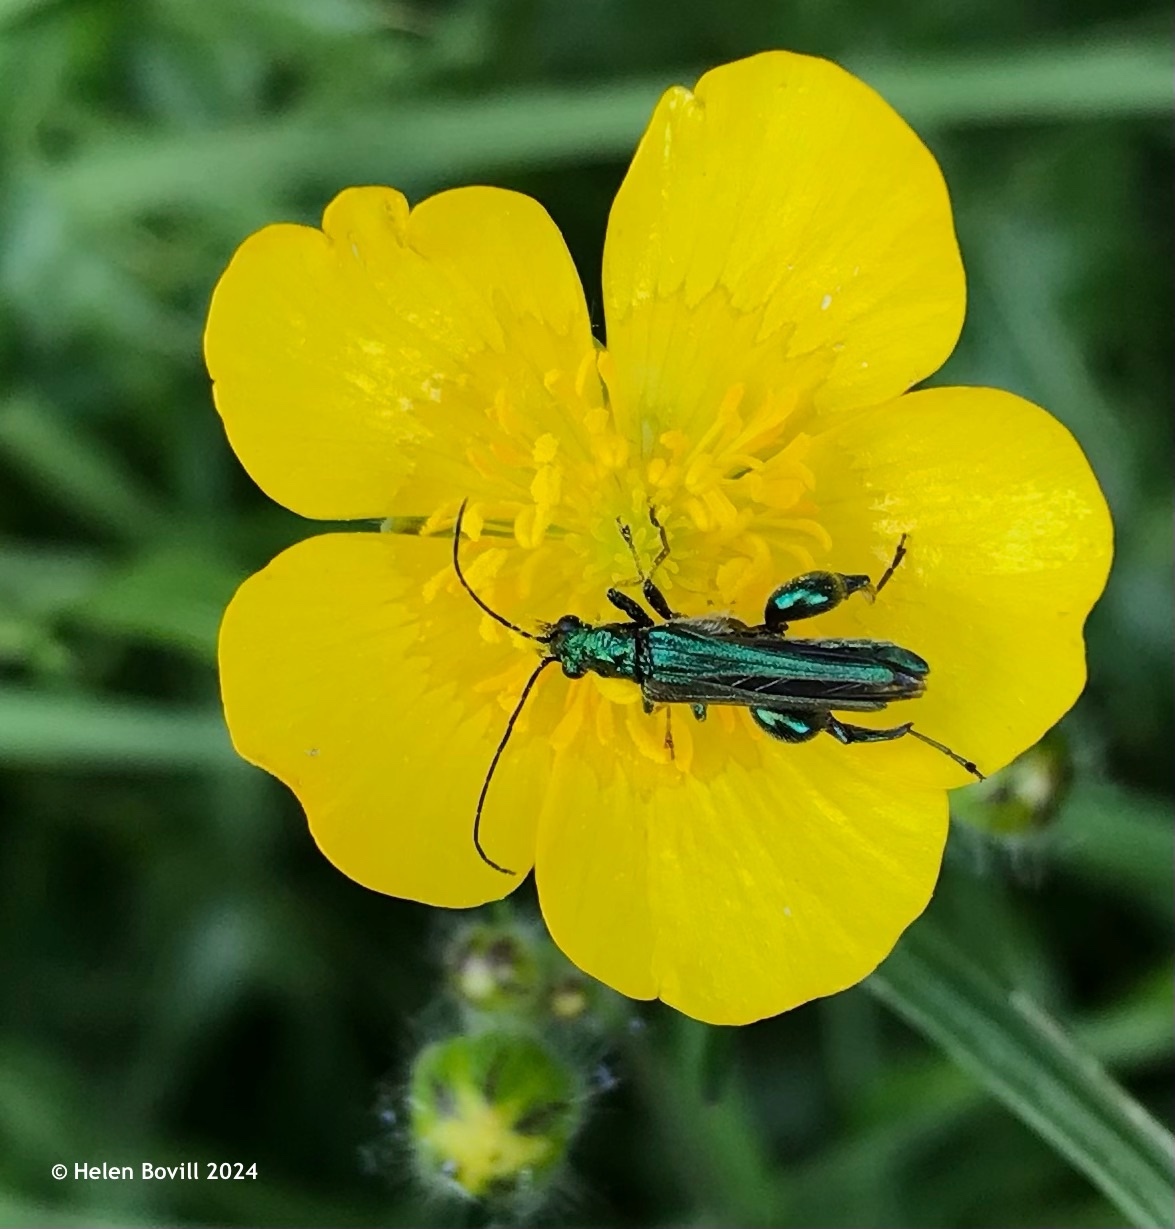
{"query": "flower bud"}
pixel 569 998
pixel 493 967
pixel 491 1115
pixel 1024 796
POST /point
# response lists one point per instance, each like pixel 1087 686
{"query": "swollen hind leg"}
pixel 816 593
pixel 790 727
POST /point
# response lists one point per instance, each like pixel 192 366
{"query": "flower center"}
pixel 735 503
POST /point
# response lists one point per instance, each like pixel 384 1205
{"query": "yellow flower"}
pixel 780 268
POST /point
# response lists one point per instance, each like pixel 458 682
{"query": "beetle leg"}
pixel 845 733
pixel 663 554
pixel 652 594
pixel 815 593
pixel 790 727
pixel 898 556
pixel 656 599
pixel 629 607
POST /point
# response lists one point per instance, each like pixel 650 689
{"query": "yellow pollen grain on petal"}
pixel 545 448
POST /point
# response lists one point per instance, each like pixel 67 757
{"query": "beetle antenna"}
pixel 530 682
pixel 967 764
pixel 466 586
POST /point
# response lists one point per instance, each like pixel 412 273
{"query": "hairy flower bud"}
pixel 495 967
pixel 1024 796
pixel 491 1115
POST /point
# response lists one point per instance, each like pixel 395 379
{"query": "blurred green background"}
pixel 182 976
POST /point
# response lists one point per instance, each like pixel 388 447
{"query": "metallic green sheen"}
pixel 679 654
pixel 607 649
pixel 722 661
pixel 810 594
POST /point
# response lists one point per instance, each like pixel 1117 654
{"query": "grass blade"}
pixel 75 470
pixel 77 732
pixel 1026 1060
pixel 416 144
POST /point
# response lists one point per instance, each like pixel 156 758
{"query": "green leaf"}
pixel 1026 1059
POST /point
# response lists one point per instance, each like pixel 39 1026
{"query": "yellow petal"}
pixel 381 711
pixel 1009 547
pixel 355 366
pixel 780 227
pixel 740 894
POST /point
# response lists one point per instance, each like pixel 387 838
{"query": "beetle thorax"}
pixel 581 648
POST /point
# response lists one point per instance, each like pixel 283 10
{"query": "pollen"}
pixel 739 505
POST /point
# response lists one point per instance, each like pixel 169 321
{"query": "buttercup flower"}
pixel 780 269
